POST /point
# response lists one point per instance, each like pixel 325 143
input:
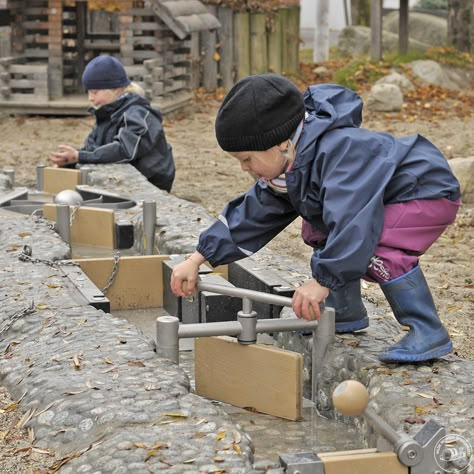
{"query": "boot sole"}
pixel 351 326
pixel 428 355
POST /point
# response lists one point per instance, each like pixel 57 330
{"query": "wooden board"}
pixel 138 282
pixel 59 179
pixel 90 226
pixel 264 378
pixel 354 462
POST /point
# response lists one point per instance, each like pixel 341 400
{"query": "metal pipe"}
pixel 248 321
pixel 149 225
pixel 84 171
pixel 10 172
pixel 167 339
pixel 280 325
pixel 409 451
pixel 244 293
pixel 40 177
pixel 222 328
pixel 63 224
pixel 322 338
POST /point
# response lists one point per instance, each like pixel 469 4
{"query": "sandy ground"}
pixel 207 176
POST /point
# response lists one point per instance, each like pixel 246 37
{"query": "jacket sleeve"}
pixel 137 134
pixel 352 183
pixel 247 224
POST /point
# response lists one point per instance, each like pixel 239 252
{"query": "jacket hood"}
pixel 123 103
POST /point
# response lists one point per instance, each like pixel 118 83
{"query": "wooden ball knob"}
pixel 350 398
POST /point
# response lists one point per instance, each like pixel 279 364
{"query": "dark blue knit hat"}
pixel 104 72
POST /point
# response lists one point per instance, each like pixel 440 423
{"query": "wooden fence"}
pixel 247 43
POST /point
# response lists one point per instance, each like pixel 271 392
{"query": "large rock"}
pixel 385 98
pixel 425 28
pixel 355 41
pixel 463 169
pixel 397 79
pixel 433 73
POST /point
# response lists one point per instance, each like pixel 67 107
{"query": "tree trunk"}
pixel 461 24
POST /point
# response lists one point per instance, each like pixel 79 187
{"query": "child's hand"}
pixel 307 298
pixel 66 156
pixel 185 275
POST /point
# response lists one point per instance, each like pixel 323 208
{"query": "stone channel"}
pixel 93 389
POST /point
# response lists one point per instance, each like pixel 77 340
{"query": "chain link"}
pixel 113 274
pixel 39 219
pixel 26 255
pixel 16 316
pixel 73 213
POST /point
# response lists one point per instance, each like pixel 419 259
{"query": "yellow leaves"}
pixel 136 363
pixel 216 56
pixel 77 361
pixel 24 234
pixel 41 306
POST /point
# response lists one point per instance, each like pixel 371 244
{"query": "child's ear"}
pixel 284 146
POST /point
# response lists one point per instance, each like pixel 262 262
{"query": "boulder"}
pixel 397 79
pixel 432 72
pixel 355 41
pixel 385 98
pixel 423 27
pixel 463 169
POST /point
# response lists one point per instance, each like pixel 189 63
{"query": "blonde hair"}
pixel 135 88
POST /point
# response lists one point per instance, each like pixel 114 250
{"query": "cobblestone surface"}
pixel 93 389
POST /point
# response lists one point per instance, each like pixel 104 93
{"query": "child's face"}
pixel 268 164
pixel 101 97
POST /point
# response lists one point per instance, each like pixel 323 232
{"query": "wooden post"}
pixel 242 44
pixel 275 41
pixel 284 39
pixel 225 39
pixel 81 25
pixel 293 39
pixel 55 49
pixel 209 43
pixel 126 33
pixel 376 30
pixel 258 44
pixel 195 61
pixel 403 27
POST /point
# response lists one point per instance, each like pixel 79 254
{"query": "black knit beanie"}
pixel 258 113
pixel 104 72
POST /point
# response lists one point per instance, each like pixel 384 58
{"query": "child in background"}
pixel 371 205
pixel 127 128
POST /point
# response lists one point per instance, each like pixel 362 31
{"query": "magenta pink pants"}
pixel 409 230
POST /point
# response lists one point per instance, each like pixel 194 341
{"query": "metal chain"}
pixel 73 213
pixel 16 316
pixel 39 219
pixel 113 274
pixel 26 256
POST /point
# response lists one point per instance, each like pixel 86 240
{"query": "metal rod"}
pixel 322 338
pixel 281 325
pixel 63 224
pixel 149 225
pixel 223 328
pixel 244 293
pixel 40 177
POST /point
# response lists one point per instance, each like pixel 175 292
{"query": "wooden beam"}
pixel 403 27
pixel 262 378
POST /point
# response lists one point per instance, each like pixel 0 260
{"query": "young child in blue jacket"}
pixel 127 129
pixel 371 205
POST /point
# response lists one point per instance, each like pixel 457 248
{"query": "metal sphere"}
pixel 68 196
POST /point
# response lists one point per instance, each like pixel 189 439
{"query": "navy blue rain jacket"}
pixel 342 177
pixel 129 130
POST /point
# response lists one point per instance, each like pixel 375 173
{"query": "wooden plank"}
pixel 264 378
pixel 258 44
pixel 90 226
pixel 59 179
pixel 376 30
pixel 225 40
pixel 242 44
pixel 138 282
pixel 293 39
pixel 209 64
pixel 352 462
pixel 275 40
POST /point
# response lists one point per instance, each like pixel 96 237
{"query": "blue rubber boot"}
pixel 351 314
pixel 412 304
